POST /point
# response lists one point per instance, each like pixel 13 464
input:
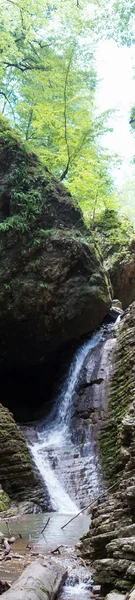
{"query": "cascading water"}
pixel 54 447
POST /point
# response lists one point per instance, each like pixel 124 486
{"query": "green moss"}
pixel 4 500
pixel 120 398
pixel 114 234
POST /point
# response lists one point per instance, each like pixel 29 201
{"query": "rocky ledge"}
pixel 17 471
pixel 110 543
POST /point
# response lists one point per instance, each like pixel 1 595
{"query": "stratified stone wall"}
pixel 17 474
pixel 110 543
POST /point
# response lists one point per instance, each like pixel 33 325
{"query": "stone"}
pixel 113 521
pixel 17 471
pixel 115 596
pixel 96 589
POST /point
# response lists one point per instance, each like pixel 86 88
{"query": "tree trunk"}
pixel 40 581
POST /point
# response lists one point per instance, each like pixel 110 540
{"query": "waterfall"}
pixel 54 447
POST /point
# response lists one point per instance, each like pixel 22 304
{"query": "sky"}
pixel 116 90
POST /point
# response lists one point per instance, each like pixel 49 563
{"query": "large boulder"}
pixel 52 283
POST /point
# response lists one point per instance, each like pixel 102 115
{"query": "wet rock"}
pixel 17 471
pixel 115 596
pixel 115 517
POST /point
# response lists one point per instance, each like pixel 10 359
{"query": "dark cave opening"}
pixel 26 390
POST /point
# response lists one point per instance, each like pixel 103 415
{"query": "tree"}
pixel 48 84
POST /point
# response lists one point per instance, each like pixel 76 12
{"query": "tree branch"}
pixel 9 102
pixel 24 67
pixel 29 124
pixel 65 119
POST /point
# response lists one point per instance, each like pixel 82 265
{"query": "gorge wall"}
pixel 53 289
pixel 110 544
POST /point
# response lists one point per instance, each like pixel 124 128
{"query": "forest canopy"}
pixel 48 83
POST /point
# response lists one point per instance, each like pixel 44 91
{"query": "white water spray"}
pixel 54 434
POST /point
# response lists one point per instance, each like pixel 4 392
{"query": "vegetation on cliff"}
pixel 52 287
pixel 117 242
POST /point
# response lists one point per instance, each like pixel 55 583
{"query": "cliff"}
pixel 117 241
pixel 110 543
pixel 17 472
pixel 53 288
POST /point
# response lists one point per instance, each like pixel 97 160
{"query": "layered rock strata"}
pixel 110 543
pixel 17 472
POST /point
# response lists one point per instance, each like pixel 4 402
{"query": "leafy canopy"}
pixel 48 82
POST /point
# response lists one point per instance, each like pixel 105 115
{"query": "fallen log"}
pixel 40 581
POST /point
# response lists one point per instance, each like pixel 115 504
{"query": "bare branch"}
pixel 2 93
pixel 65 118
pixel 25 67
pixel 29 123
pixel 40 44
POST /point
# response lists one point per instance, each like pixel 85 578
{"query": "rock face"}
pixel 117 241
pixel 52 284
pixel 111 540
pixel 17 474
pixel 4 500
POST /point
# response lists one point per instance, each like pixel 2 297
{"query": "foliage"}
pixel 113 232
pixel 48 85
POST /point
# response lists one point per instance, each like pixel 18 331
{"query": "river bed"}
pixel 36 541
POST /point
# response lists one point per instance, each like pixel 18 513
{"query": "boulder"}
pixel 52 283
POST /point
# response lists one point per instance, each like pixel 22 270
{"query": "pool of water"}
pixel 42 536
pixel 47 535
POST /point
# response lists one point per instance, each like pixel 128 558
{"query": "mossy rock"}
pixel 17 472
pixel 117 240
pixel 52 284
pixel 4 500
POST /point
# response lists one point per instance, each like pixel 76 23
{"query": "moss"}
pixel 120 398
pixel 114 233
pixel 4 500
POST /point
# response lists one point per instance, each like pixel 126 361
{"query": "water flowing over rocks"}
pixel 65 445
pixel 110 543
pixel 53 289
